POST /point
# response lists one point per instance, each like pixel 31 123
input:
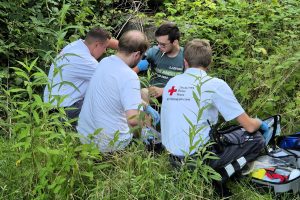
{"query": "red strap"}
pixel 273 175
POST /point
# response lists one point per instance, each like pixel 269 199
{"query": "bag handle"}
pixel 275 125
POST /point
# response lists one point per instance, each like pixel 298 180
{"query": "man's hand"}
pixel 154 114
pixel 155 91
pixel 113 44
pixel 265 129
pixel 143 65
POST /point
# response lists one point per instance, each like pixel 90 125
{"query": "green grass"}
pixel 134 173
pixel 256 50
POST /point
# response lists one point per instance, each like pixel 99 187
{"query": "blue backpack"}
pixel 290 141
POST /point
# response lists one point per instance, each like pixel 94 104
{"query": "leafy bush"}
pixel 45 149
pixel 256 50
pixel 41 28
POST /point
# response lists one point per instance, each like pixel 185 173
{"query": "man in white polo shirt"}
pixel 113 101
pixel 70 73
pixel 193 91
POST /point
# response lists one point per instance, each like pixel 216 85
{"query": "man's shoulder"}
pixel 217 85
pixel 176 79
pixel 131 74
pixel 154 48
pixel 107 59
pixel 181 50
pixel 180 55
pixel 74 45
pixel 206 79
pixel 217 82
pixel 125 72
pixel 77 48
pixel 151 52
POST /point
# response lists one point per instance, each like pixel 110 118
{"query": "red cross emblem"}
pixel 172 90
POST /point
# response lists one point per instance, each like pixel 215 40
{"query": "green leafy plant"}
pixel 256 50
pixel 45 144
pixel 201 156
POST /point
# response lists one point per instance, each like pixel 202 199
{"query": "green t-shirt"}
pixel 164 67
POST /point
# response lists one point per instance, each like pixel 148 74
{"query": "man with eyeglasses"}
pixel 72 69
pixel 166 60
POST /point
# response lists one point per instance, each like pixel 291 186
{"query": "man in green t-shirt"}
pixel 166 60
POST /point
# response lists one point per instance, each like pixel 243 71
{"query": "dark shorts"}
pixel 74 110
pixel 250 149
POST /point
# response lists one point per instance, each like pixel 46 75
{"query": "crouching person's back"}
pixel 112 103
pixel 184 131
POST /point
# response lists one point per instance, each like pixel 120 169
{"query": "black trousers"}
pixel 75 109
pixel 250 149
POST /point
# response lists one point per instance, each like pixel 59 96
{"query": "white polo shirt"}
pixel 178 101
pixel 114 89
pixel 77 67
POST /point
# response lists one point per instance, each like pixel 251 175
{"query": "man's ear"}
pixel 175 42
pixel 137 54
pixel 186 65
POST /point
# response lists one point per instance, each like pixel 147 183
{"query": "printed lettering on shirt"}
pixel 162 76
pixel 179 93
pixel 167 72
pixel 175 68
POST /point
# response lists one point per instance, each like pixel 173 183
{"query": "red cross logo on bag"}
pixel 172 90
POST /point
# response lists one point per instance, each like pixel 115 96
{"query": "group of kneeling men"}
pixel 106 96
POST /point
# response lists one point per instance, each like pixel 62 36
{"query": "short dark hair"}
pixel 169 29
pixel 133 41
pixel 198 53
pixel 97 34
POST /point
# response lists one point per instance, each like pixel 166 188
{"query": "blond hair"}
pixel 198 53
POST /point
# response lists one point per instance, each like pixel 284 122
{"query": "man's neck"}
pixel 88 45
pixel 204 69
pixel 200 68
pixel 124 57
pixel 174 52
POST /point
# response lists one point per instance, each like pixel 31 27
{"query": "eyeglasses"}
pixel 163 44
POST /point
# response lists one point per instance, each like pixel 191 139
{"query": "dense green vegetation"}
pixel 256 50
